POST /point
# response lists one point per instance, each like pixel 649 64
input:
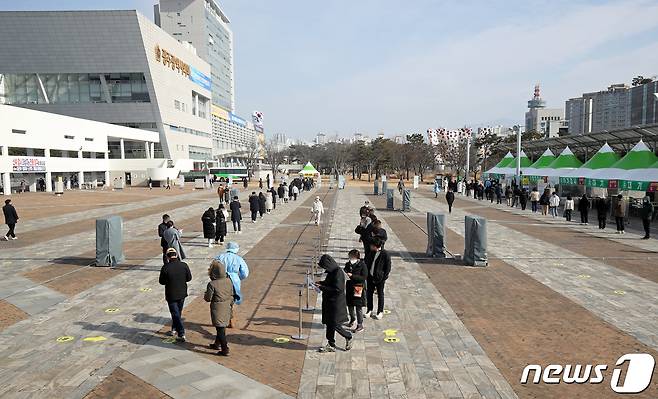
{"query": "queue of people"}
pixel 346 291
pixel 549 202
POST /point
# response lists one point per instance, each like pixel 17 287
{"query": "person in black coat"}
pixel 253 206
pixel 175 275
pixel 355 289
pixel 262 202
pixel 602 208
pixel 365 231
pixel 208 221
pixel 523 199
pixel 220 224
pixel 334 304
pixel 11 218
pixel 274 194
pixel 450 199
pixel 281 191
pixel 378 231
pixel 244 182
pixel 378 262
pixel 236 214
pixel 163 243
pixel 583 208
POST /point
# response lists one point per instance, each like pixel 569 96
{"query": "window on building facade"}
pixel 73 88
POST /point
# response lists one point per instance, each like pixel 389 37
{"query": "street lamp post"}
pixel 517 129
pixel 468 155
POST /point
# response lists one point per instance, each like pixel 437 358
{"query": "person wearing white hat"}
pixel 317 210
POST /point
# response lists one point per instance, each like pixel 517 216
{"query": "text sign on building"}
pixel 28 165
pixel 169 60
pixel 200 78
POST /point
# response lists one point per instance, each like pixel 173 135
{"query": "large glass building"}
pixel 116 67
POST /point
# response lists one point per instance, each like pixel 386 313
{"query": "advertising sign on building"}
pixel 236 119
pixel 200 78
pixel 28 165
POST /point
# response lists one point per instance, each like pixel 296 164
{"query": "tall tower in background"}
pixel 203 25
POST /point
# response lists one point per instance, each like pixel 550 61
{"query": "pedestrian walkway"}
pixel 126 311
pixel 618 297
pixel 100 211
pixel 432 354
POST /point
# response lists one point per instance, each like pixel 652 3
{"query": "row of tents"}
pixel 636 171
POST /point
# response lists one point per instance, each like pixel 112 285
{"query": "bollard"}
pixel 406 200
pixel 309 278
pixel 299 333
pixel 389 199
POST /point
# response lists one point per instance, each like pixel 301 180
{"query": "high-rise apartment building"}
pixel 203 25
pixel 598 111
pixel 644 104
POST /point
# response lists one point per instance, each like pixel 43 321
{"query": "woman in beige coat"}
pixel 219 293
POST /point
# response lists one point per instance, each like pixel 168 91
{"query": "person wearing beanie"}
pixel 175 275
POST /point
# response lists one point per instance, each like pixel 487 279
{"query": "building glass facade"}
pixel 73 88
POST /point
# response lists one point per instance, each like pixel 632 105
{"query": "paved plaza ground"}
pixel 553 293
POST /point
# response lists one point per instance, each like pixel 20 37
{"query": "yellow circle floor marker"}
pixel 390 332
pixel 583 276
pixel 66 338
pixel 169 340
pixel 281 340
pixel 94 339
pixel 386 311
pixel 111 310
pixel 620 292
pixel 147 289
pixel 391 339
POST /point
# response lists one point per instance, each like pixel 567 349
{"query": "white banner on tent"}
pixel 416 181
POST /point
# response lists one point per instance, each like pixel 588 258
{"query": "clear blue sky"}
pixel 381 65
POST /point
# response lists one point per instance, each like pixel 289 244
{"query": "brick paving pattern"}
pixel 436 356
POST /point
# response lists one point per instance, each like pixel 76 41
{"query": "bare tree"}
pixel 274 156
pixel 251 155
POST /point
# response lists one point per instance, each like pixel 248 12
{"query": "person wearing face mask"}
pixel 378 262
pixel 355 289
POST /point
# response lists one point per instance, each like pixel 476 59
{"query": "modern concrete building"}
pixel 42 147
pixel 644 104
pixel 203 25
pixel 110 66
pixel 598 111
pixel 546 121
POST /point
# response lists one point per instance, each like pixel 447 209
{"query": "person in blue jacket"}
pixel 437 188
pixel 237 270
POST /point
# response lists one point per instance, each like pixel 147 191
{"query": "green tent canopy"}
pixel 638 160
pixel 544 160
pixel 507 159
pixel 525 161
pixel 566 159
pixel 309 170
pixel 604 158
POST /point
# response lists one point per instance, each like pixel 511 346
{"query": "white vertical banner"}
pixel 416 182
